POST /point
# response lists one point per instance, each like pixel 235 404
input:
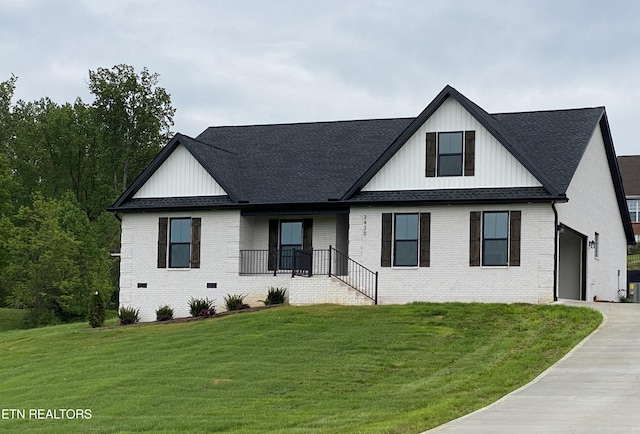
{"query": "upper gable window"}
pixel 450 153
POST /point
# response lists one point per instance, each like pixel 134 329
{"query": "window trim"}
pixel 483 255
pixel 388 248
pixel 636 209
pixel 172 243
pixel 165 243
pixel 477 238
pixel 406 241
pixel 450 154
pixel 467 154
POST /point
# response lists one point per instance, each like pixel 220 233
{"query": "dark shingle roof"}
pixel 551 141
pixel 321 162
pixel 301 163
pixel 160 203
pixel 458 195
pixel 630 172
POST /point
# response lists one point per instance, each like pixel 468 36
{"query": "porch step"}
pixel 304 291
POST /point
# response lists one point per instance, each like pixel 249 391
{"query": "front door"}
pixel 290 242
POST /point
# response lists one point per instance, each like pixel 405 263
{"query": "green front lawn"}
pixel 324 369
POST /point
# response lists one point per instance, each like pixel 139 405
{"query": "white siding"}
pixel 592 207
pixel 254 234
pixel 174 287
pixel 179 176
pixel 224 233
pixel 450 278
pixel 494 165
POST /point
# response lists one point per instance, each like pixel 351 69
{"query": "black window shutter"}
pixel 474 239
pixel 273 244
pixel 430 164
pixel 514 238
pixel 387 232
pixel 469 153
pixel 163 226
pixel 195 242
pixel 425 239
pixel 307 234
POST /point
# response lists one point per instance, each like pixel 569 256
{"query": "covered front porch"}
pixel 302 245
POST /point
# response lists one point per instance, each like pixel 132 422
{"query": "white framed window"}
pixel 405 242
pixel 495 238
pixel 634 210
pixel 180 243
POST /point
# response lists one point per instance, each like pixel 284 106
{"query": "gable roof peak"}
pixel 484 118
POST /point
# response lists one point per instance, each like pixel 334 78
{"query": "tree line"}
pixel 61 165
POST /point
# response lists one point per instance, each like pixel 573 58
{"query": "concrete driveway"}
pixel 593 389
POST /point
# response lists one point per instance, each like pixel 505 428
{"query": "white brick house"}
pixel 453 205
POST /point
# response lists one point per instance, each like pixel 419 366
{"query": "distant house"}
pixel 455 204
pixel 630 172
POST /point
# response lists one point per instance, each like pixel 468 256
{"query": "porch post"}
pixel 375 301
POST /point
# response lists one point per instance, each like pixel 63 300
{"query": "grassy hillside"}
pixel 328 369
pixel 10 319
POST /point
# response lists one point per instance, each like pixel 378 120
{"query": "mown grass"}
pixel 11 319
pixel 321 369
pixel 633 262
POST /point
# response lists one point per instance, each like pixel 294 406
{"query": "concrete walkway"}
pixel 594 389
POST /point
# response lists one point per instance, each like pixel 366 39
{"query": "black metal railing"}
pixel 353 274
pixel 297 262
pixel 309 262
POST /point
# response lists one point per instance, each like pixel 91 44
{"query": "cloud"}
pixel 248 62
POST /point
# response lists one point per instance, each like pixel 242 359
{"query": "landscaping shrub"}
pixel 128 315
pixel 164 313
pixel 207 312
pixel 97 312
pixel 235 302
pixel 275 296
pixel 201 307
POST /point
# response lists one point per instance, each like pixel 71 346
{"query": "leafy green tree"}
pixel 136 116
pixel 80 157
pixel 54 262
pixel 56 149
pixel 7 187
pixel 6 93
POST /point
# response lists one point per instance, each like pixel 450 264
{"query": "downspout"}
pixel 555 252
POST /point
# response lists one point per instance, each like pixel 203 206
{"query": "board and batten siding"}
pixel 494 165
pixel 180 176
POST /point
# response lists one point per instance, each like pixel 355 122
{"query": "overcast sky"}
pixel 243 62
